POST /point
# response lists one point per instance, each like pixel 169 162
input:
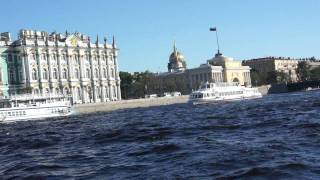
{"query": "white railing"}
pixel 35 96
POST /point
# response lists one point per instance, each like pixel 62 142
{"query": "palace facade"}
pixel 38 62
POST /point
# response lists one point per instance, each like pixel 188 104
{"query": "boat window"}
pixel 24 113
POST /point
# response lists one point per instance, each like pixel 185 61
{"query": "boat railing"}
pixel 35 96
pixel 208 85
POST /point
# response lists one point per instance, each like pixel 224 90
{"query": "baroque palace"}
pixel 39 63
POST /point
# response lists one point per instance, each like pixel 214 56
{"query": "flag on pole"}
pixel 213 29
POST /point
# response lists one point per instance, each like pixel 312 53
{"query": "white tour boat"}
pixel 27 106
pixel 215 92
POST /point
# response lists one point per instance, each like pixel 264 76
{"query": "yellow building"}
pixel 233 71
pixel 218 69
pixel 274 64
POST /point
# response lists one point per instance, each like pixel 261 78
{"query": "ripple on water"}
pixel 277 136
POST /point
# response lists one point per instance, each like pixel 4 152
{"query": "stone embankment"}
pixel 126 104
pixel 136 103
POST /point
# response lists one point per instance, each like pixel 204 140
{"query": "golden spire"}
pixel 174 47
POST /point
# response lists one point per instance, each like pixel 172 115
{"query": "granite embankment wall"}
pixel 135 103
pixel 125 104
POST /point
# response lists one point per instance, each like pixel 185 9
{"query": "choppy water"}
pixel 277 136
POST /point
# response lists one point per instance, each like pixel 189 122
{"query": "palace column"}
pixel 59 70
pixel 118 91
pixel 23 59
pixel 38 59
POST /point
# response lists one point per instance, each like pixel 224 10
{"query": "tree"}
pixel 126 81
pixel 282 77
pixel 271 77
pixel 257 78
pixel 303 71
pixel 315 74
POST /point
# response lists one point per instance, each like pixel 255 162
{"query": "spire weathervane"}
pixel 174 47
pixel 215 29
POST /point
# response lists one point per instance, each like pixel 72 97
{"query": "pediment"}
pixel 73 40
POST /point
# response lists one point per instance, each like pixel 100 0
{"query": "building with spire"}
pixel 217 69
pixel 39 63
pixel 176 61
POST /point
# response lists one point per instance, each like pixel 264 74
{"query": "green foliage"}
pixel 315 74
pixel 303 71
pixel 139 84
pixel 134 85
pixel 257 79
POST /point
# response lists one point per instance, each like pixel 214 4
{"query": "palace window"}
pixel 76 73
pixel 96 73
pixel 76 59
pixel 104 73
pixel 45 74
pixel 34 74
pixel 11 76
pixel 57 91
pixel 65 91
pixel 0 75
pixel 112 72
pixel 64 74
pixel 55 73
pixel 88 73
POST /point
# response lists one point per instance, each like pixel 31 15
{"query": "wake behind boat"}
pixel 28 106
pixel 215 92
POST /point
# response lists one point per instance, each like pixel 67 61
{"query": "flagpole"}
pixel 217 41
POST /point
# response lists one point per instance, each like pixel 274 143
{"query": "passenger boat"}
pixel 27 106
pixel 215 92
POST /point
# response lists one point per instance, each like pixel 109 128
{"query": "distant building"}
pixel 218 69
pixel 59 63
pixel 274 64
pixel 176 61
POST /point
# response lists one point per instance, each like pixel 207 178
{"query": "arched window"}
pixel 65 91
pixel 64 73
pixel 0 75
pixel 88 73
pixel 11 76
pixel 104 73
pixel 114 91
pixel 106 92
pixel 96 73
pixel 78 93
pixel 76 73
pixel 55 73
pixel 36 91
pixel 112 72
pixel 57 91
pixel 44 74
pixel 76 59
pixel 34 74
pixel 44 57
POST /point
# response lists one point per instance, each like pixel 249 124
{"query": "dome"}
pixel 176 56
pixel 219 60
pixel 222 58
pixel 176 61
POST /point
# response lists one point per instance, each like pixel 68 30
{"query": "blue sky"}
pixel 145 29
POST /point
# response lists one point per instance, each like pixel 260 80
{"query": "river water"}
pixel 277 136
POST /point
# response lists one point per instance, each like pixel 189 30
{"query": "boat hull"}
pixel 33 113
pixel 220 99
